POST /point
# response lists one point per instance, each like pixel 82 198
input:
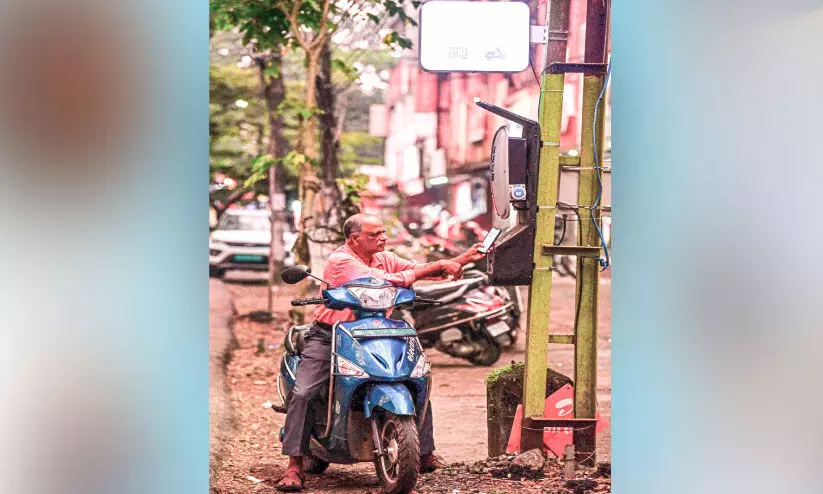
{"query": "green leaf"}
pixel 272 71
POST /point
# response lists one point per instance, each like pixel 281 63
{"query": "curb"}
pixel 222 343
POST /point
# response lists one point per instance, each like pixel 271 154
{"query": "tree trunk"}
pixel 328 118
pixel 274 92
pixel 307 145
pixel 307 138
pixel 342 108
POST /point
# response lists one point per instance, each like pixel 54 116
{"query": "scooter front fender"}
pixel 393 398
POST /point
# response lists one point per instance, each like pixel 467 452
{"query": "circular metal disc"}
pixel 499 169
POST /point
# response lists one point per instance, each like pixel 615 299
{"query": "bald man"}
pixel 361 256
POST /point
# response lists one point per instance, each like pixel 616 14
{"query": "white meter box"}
pixel 474 36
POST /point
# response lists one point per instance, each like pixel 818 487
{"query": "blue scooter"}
pixel 379 383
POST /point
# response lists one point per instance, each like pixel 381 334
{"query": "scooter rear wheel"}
pixel 489 355
pixel 397 470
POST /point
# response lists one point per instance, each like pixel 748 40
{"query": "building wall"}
pixel 435 130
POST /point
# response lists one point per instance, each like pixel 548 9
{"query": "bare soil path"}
pixel 253 461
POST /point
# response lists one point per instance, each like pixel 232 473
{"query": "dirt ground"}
pixel 252 459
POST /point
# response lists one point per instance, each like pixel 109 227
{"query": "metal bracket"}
pixel 584 68
pixel 583 435
pixel 539 34
pixel 571 250
pixel 562 339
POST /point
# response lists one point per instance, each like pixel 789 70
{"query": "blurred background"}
pixel 391 139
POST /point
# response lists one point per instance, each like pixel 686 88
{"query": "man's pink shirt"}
pixel 344 266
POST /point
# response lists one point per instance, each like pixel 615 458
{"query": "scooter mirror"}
pixel 295 274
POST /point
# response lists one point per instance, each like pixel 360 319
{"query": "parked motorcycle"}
pixel 379 387
pixel 466 318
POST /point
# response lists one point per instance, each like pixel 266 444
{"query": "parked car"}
pixel 241 240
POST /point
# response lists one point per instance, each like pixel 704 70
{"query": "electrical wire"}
pixel 604 263
pixel 562 235
pixel 534 71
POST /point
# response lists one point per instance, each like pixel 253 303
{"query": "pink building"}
pixel 438 142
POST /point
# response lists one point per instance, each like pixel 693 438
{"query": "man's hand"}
pixel 439 270
pixel 474 254
pixel 471 255
pixel 451 270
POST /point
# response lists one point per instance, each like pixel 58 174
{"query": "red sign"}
pixel 557 406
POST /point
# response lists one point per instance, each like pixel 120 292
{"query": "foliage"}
pixel 279 27
pixel 359 148
pixel 262 23
pixel 503 371
pixel 351 188
pixel 232 129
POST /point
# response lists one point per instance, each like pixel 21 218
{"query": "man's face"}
pixel 371 239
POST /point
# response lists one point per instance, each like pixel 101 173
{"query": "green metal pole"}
pixel 537 336
pixel 588 269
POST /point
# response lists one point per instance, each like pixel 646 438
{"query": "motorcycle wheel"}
pixel 397 470
pixel 315 465
pixel 489 355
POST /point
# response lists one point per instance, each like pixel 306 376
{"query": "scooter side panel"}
pixel 288 368
pixel 337 443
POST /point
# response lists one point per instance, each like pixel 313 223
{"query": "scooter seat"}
pixel 295 341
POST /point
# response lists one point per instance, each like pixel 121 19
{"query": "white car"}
pixel 242 240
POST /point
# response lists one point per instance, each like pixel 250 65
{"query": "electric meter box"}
pixel 518 171
pixel 510 262
pixel 513 170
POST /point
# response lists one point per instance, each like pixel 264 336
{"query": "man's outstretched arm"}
pixel 350 268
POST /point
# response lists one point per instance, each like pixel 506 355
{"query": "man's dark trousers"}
pixel 312 373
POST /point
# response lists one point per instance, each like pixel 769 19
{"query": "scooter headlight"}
pixel 422 367
pixel 374 298
pixel 347 368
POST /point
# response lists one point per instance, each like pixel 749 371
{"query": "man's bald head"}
pixel 365 234
pixel 356 222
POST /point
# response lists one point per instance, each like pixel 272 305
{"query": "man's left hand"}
pixel 473 254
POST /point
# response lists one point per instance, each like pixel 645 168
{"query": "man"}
pixel 362 255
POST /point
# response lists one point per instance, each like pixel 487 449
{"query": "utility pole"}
pixel 551 107
pixel 588 193
pixel 588 252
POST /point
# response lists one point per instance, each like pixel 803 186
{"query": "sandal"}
pixel 291 481
pixel 430 463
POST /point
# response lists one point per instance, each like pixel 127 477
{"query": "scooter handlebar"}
pixel 308 301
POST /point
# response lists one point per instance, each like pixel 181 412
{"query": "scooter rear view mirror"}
pixel 295 274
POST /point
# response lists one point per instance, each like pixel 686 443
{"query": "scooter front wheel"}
pixel 398 468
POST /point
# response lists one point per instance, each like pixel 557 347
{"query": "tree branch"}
pixel 295 26
pixel 324 31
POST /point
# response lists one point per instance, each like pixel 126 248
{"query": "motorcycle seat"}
pixel 446 292
pixel 295 341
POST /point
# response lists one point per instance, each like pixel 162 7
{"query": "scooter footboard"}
pixel 393 398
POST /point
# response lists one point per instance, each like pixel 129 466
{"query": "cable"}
pixel 534 71
pixel 562 235
pixel 604 263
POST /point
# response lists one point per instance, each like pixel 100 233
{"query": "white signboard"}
pixel 474 36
